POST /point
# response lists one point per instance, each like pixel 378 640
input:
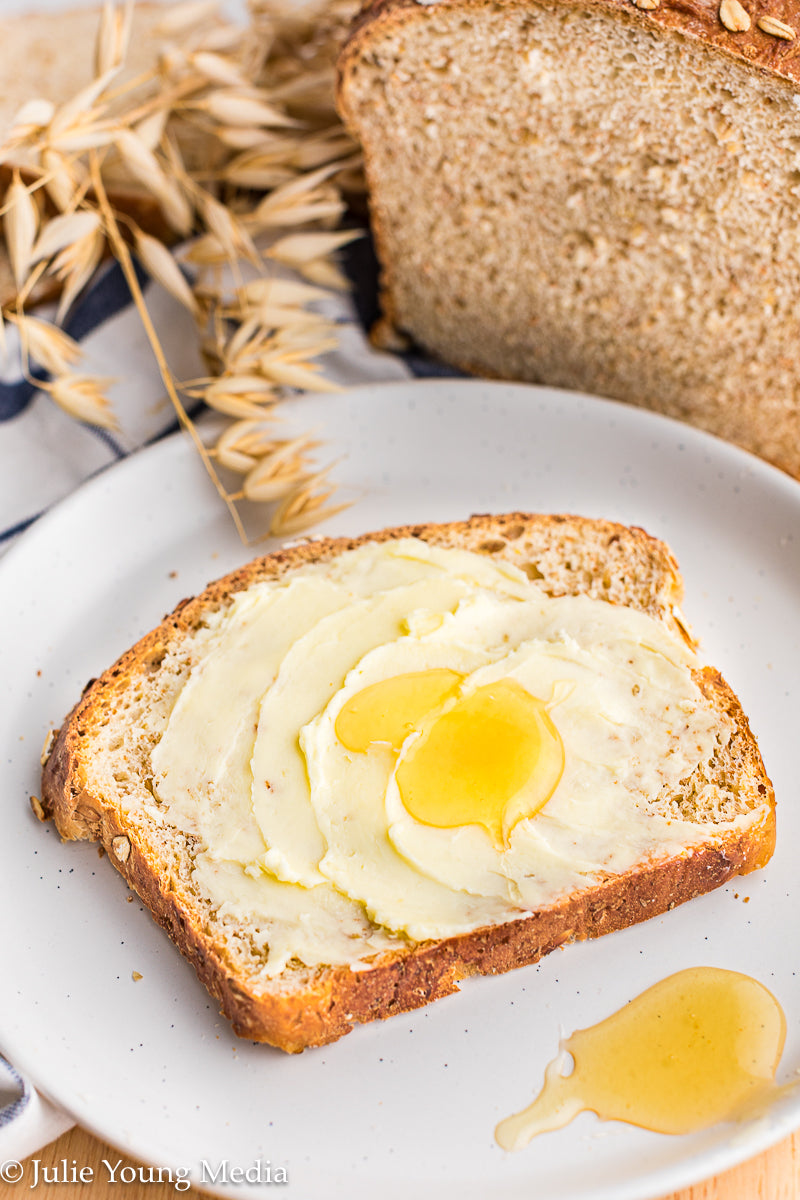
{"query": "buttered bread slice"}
pixel 356 771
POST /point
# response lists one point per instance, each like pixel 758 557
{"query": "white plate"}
pixel 408 1106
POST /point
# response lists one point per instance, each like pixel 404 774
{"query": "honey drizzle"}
pixel 701 1046
pixel 388 711
pixel 490 758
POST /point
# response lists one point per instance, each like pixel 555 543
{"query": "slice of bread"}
pixel 105 776
pixel 597 196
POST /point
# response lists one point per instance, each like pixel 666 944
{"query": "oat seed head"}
pixel 46 344
pixel 81 106
pixel 278 474
pixel 279 317
pixel 160 264
pixel 244 138
pixel 301 201
pixel 79 138
pixel 245 442
pixel 62 231
pixel 242 396
pixel 280 292
pixel 297 249
pixel 305 507
pixel 83 397
pixel 245 343
pixel 260 178
pixel 21 223
pixel 113 36
pixel 304 183
pixel 146 168
pixel 150 130
pixel 227 229
pixel 334 143
pixel 306 378
pixel 61 177
pixel 237 108
pixel 207 251
pixel 34 115
pixel 326 209
pixel 75 266
pixel 217 68
pixel 326 274
pixel 230 452
pixel 233 460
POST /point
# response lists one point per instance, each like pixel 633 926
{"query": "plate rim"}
pixel 168 444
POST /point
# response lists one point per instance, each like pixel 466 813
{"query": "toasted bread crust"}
pixel 323 1004
pixel 688 18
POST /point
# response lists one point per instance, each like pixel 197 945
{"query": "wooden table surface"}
pixel 774 1175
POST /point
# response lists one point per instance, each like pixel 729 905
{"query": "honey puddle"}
pixel 490 758
pixel 699 1047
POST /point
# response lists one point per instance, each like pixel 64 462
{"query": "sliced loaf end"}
pixel 590 196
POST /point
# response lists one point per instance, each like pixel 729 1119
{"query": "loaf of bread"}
pixel 355 772
pixel 596 196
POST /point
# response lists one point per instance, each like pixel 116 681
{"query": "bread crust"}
pixel 688 18
pixel 323 1004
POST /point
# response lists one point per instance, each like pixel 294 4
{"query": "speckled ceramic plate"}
pixel 407 1106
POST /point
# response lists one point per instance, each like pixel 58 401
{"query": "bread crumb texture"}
pixel 592 199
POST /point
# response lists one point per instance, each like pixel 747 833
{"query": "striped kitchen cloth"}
pixel 45 454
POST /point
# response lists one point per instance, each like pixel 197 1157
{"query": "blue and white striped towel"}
pixel 46 454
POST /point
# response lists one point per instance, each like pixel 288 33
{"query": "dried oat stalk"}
pixel 230 137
